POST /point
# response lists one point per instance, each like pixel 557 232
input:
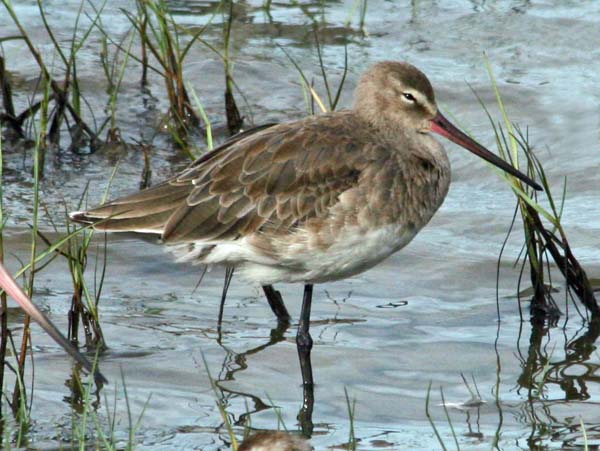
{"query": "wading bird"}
pixel 275 441
pixel 310 201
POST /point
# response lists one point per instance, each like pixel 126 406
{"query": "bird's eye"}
pixel 409 97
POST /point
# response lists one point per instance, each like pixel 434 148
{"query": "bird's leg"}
pixel 276 304
pixel 228 276
pixel 304 344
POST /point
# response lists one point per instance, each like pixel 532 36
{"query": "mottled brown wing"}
pixel 150 209
pixel 277 178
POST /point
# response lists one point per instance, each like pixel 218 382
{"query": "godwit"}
pixel 310 201
pixel 275 441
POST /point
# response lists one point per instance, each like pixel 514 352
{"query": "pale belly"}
pixel 352 253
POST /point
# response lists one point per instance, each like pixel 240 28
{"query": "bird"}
pixel 315 200
pixel 275 441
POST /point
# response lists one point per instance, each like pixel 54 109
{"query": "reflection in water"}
pixel 304 345
pixel 235 362
pixel 553 392
pixel 539 365
pixel 80 400
pixel 544 375
pixel 474 428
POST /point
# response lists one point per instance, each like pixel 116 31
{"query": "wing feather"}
pixel 279 177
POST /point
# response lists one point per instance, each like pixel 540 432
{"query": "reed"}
pixel 222 406
pixel 359 7
pixel 431 420
pixel 447 416
pixel 37 262
pixel 106 435
pixel 19 393
pixel 351 405
pixel 162 39
pixel 546 242
pixel 65 96
pixel 311 96
pixel 3 301
pixel 232 113
pixel 9 116
pixel 233 117
pixel 586 444
pixel 114 74
pixel 84 302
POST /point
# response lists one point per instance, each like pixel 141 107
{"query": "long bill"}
pixel 8 284
pixel 442 126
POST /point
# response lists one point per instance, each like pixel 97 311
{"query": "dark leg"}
pixel 228 276
pixel 304 344
pixel 276 304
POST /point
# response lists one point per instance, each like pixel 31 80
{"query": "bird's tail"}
pixel 143 212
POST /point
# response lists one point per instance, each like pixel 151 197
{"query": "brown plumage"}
pixel 309 201
pixel 289 177
pixel 275 441
pixel 270 183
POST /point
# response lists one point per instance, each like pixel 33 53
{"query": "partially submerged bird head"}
pixel 397 95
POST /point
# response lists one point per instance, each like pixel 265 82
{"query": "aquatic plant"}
pixel 360 7
pixel 65 96
pixel 232 113
pixel 162 39
pixel 544 243
pixel 37 262
pixel 352 442
pixel 432 421
pixel 311 96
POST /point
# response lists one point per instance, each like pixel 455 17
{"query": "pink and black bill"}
pixel 444 127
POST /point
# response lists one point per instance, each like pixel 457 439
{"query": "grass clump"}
pixel 161 38
pixel 546 242
pixel 65 96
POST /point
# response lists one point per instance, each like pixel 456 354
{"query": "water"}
pixel 440 292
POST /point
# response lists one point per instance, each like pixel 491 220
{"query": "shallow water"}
pixel 426 315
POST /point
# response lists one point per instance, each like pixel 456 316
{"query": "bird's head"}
pixel 398 96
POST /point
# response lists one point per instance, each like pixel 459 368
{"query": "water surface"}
pixel 426 315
